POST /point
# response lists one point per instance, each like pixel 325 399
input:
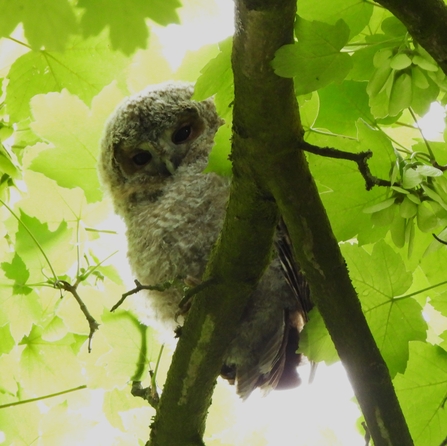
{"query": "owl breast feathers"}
pixel 154 150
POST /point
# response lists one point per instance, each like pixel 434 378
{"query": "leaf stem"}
pixel 432 155
pixel 19 42
pixel 421 291
pixel 40 398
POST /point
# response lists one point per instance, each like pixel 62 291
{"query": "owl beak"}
pixel 169 166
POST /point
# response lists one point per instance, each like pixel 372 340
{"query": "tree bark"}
pixel 266 124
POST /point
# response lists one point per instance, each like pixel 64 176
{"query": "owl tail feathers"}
pixel 290 378
pixel 282 376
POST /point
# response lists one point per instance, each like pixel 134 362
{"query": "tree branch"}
pixel 93 324
pixel 264 101
pixel 426 21
pixel 360 158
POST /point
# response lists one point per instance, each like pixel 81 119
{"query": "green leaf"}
pixel 428 171
pixel 419 78
pixel 393 27
pixel 408 208
pixel 379 80
pixel 380 280
pixel 422 393
pixel 400 61
pixel 118 401
pixel 315 341
pixel 8 164
pixel 385 216
pixel 6 341
pixel 219 158
pixel 398 230
pixel 426 217
pixel 83 69
pixel 309 110
pixel 126 19
pixel 364 57
pixel 20 424
pixel 440 151
pixel 130 355
pixel 380 145
pixel 47 23
pixel 423 96
pixel 401 94
pixel 194 62
pixel 33 234
pixel 341 106
pixel 425 63
pixel 411 178
pixel 380 206
pixel 315 61
pixel 217 79
pixel 48 367
pixel 17 271
pixel 356 13
pixel 19 311
pixel 75 132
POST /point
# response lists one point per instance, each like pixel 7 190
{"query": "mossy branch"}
pixel 264 101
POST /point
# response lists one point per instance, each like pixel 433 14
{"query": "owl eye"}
pixel 182 134
pixel 142 158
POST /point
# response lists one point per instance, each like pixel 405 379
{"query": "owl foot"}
pixel 195 286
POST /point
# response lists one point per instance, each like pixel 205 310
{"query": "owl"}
pixel 153 153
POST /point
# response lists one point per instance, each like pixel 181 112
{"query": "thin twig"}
pixel 40 398
pixel 62 284
pixel 360 158
pixel 138 288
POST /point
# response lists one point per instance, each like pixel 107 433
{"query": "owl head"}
pixel 150 136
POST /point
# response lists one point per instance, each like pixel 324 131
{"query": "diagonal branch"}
pixel 360 158
pixel 73 289
pixel 264 101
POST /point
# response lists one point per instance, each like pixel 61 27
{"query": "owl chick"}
pixel 153 153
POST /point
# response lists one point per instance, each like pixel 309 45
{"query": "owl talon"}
pixel 195 286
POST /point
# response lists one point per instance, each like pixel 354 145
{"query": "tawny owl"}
pixel 154 150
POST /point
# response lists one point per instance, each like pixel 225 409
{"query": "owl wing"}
pixel 295 319
pixel 263 353
pixel 292 271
